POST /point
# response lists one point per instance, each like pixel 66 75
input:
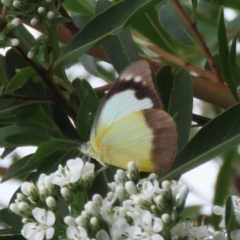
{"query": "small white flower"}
pixel 77 233
pixel 146 226
pixel 71 173
pixel 219 236
pixel 187 229
pixel 42 228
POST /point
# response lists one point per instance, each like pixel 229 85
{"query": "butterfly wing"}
pixel 130 125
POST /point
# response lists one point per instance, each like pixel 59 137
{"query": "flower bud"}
pixel 120 193
pixel 16 4
pixel 81 221
pixel 14 42
pixel 41 10
pixel 92 208
pixel 65 192
pixel 34 21
pixel 14 208
pixel 50 15
pixel 97 199
pixel 51 202
pixel 70 221
pixel 130 187
pixel 94 221
pixel 16 22
pixel 23 206
pixel 166 218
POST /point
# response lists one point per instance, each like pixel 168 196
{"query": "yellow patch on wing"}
pixel 128 139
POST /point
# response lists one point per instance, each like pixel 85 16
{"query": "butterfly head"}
pixel 90 150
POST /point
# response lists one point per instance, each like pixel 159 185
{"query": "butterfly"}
pixel 131 125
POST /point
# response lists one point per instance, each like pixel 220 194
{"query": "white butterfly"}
pixel 130 124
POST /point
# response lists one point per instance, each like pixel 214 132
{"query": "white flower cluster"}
pixel 134 209
pixel 6 41
pixel 37 11
pixel 43 12
pixel 37 203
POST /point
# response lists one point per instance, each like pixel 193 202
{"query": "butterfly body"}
pixel 130 124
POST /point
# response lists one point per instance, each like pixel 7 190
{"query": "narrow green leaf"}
pixel 146 22
pixel 224 55
pixel 79 6
pixel 44 150
pixel 87 110
pixel 82 121
pixel 233 64
pixel 209 142
pixel 3 71
pixel 14 61
pixel 37 117
pixel 93 32
pixel 10 219
pixel 63 122
pixel 9 106
pixel 89 64
pixel 21 78
pixel 223 182
pixel 121 50
pixel 230 219
pixel 17 168
pixel 164 81
pixel 173 23
pixel 180 106
pixel 14 135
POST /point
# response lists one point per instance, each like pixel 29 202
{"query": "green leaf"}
pixel 37 117
pixel 79 6
pixel 14 61
pixel 173 23
pixel 10 219
pixel 17 168
pixel 11 234
pixel 21 78
pixel 121 50
pixel 216 137
pixel 180 106
pixel 233 64
pixel 146 22
pixel 9 106
pixel 3 71
pixel 51 162
pixel 230 219
pixel 87 110
pixel 63 122
pixel 89 64
pixel 224 55
pixel 44 150
pixel 164 81
pixel 94 31
pixel 223 182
